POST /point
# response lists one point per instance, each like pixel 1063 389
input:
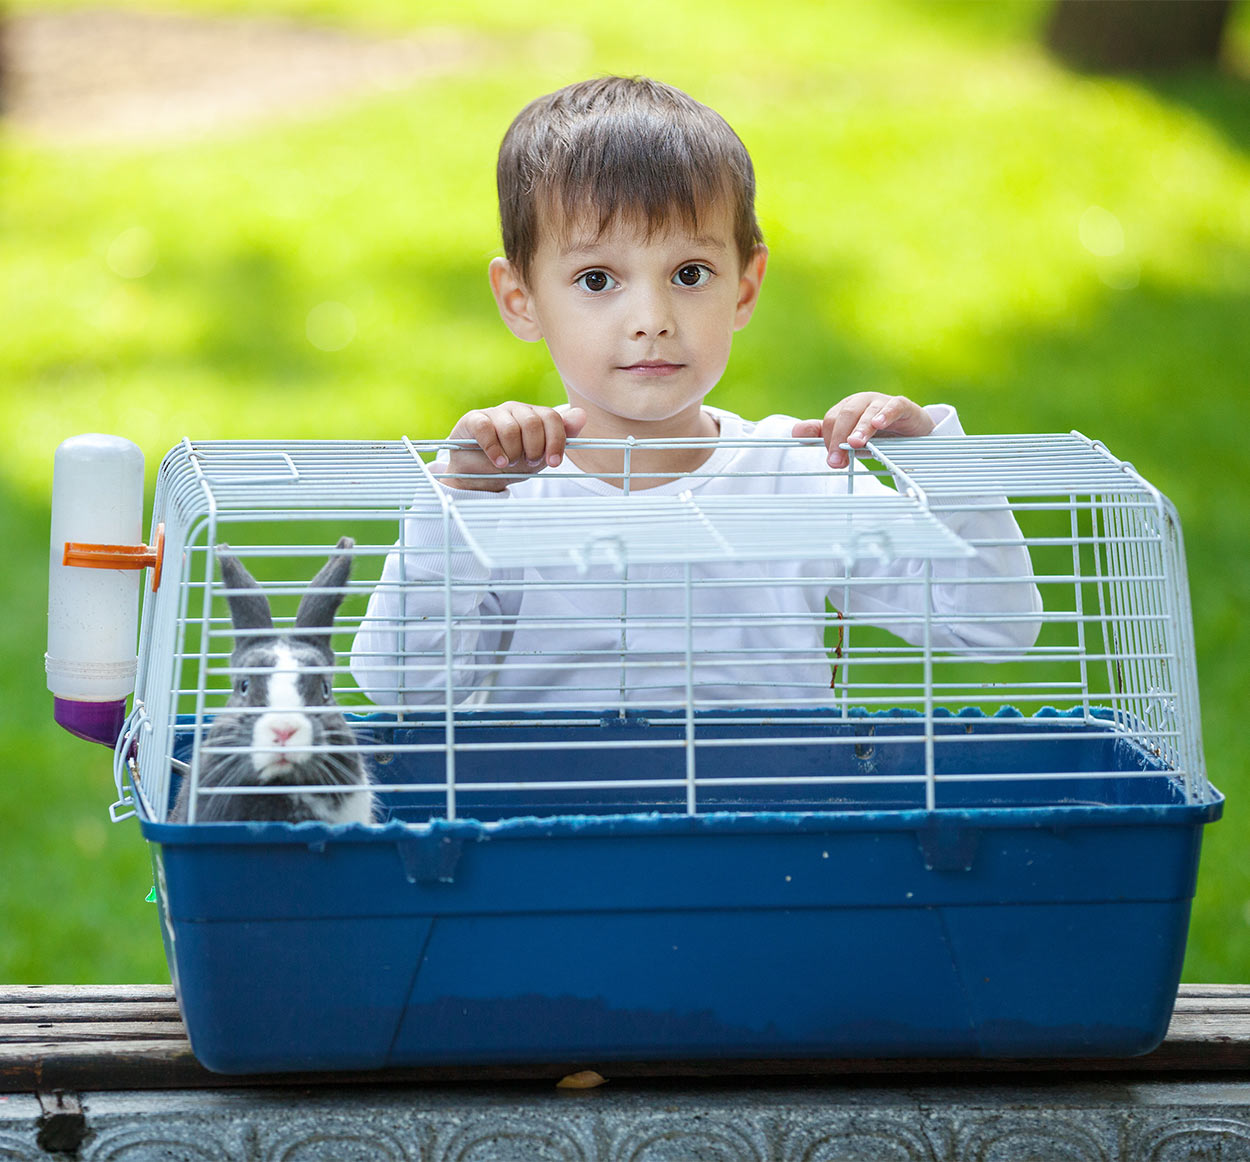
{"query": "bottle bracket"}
pixel 84 555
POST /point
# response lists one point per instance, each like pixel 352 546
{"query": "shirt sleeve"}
pixel 986 602
pixel 399 655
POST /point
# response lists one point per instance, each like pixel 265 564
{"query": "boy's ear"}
pixel 516 306
pixel 749 283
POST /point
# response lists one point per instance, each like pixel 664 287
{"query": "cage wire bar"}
pixel 1140 572
pixel 1115 653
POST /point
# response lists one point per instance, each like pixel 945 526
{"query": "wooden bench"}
pixel 70 1047
pixel 107 1037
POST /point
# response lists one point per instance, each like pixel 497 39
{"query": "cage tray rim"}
pixel 667 824
pixel 640 823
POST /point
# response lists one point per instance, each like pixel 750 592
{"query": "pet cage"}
pixel 791 764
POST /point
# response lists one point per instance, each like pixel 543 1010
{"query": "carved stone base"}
pixel 762 1121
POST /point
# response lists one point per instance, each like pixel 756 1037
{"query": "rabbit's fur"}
pixel 266 719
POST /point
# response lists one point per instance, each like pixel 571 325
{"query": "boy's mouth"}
pixel 653 367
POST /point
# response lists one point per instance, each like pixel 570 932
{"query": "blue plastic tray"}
pixel 1035 918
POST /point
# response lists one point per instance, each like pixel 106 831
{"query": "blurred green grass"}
pixel 925 177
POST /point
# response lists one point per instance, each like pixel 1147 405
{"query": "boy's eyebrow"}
pixel 580 246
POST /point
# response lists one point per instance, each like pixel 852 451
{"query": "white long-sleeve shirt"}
pixel 542 636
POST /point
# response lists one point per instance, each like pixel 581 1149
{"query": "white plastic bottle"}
pixel 97 498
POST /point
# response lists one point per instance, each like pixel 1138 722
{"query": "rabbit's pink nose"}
pixel 283 733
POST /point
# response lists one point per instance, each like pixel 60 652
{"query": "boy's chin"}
pixel 641 412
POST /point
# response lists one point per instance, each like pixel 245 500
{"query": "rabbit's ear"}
pixel 319 605
pixel 249 610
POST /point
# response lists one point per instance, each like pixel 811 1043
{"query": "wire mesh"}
pixel 637 646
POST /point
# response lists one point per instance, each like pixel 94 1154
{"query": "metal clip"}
pixel 126 801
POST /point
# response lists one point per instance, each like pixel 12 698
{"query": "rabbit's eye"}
pixel 241 685
pixel 325 687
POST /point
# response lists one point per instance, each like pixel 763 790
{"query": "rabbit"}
pixel 289 672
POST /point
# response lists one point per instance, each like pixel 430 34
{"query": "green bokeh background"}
pixel 951 215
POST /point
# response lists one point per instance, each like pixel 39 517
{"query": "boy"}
pixel 632 248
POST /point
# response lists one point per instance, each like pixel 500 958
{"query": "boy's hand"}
pixel 511 438
pixel 859 417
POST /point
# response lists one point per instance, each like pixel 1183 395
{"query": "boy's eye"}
pixel 596 281
pixel 696 274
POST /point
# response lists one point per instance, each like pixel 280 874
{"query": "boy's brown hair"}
pixel 620 146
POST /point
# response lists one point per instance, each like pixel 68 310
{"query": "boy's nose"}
pixel 652 317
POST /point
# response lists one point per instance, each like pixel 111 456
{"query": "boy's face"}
pixel 639 328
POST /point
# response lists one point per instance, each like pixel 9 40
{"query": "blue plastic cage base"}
pixel 1038 917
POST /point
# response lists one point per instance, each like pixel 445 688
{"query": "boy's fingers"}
pixel 859 415
pixel 858 418
pixel 471 426
pixel 477 425
pixel 891 411
pixel 508 443
pixel 532 433
pixel 524 437
pixel 835 427
pixel 831 429
pixel 882 415
pixel 861 426
pixel 561 427
pixel 847 422
pixel 894 415
pixel 905 418
pixel 553 437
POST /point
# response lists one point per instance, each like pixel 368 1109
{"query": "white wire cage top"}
pixel 1115 648
pixel 228 479
pixel 232 478
pixel 1015 465
pixel 369 471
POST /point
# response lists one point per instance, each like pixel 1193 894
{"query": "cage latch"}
pixel 431 858
pixel 85 555
pixel 948 847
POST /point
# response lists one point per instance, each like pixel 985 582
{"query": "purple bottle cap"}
pixel 100 722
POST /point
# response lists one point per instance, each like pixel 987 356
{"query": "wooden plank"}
pixel 53 993
pixel 1183 1018
pixel 1228 1005
pixel 159 1064
pixel 71 1012
pixel 130 1037
pixel 169 1064
pixel 81 1031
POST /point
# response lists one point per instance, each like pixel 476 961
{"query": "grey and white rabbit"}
pixel 277 710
